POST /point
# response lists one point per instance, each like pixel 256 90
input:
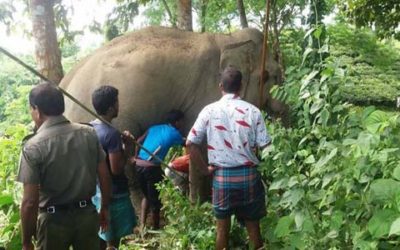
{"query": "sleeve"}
pixel 114 142
pixel 30 160
pixel 199 129
pixel 262 137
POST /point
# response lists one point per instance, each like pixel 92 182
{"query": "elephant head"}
pixel 246 55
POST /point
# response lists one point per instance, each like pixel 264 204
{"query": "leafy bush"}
pixel 10 146
pixel 333 177
pixel 373 66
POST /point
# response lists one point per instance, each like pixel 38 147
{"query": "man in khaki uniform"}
pixel 59 167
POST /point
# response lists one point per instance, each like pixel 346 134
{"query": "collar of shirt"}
pixel 229 96
pixel 51 121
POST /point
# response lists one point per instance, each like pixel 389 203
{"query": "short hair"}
pixel 103 98
pixel 174 116
pixel 231 79
pixel 48 99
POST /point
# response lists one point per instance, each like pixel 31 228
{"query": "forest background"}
pixel 332 176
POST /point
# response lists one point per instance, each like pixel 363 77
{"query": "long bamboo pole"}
pixel 264 55
pixel 35 72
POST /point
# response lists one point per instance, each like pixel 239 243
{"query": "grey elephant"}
pixel 157 69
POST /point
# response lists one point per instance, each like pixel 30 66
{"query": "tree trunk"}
pixel 47 52
pixel 185 15
pixel 242 14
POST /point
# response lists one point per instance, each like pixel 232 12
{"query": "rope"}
pixel 35 72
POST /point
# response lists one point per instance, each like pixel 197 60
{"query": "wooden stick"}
pixel 35 72
pixel 264 55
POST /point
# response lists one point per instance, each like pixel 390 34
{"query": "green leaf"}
pixel 318 32
pixel 283 227
pixel 6 199
pixel 309 32
pixel 309 160
pixel 384 190
pixel 308 79
pixel 396 173
pixel 323 160
pixel 306 53
pixel 278 184
pixel 292 197
pixel 380 223
pixel 395 227
pixel 297 241
pixel 317 105
pixel 376 121
pixel 324 117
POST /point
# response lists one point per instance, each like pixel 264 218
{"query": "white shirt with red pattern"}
pixel 233 128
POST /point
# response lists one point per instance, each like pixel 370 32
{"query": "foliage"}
pixel 156 12
pixel 10 145
pixel 373 66
pixel 120 18
pixel 187 226
pixel 384 15
pixel 332 177
pixel 15 84
pixel 6 14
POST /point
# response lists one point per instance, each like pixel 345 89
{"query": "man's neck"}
pixel 226 93
pixel 108 118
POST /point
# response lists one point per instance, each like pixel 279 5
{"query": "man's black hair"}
pixel 104 98
pixel 174 116
pixel 231 79
pixel 48 99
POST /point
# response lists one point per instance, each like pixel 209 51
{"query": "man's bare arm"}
pixel 29 213
pixel 140 140
pixel 117 162
pixel 105 188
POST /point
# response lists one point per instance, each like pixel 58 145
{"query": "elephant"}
pixel 157 69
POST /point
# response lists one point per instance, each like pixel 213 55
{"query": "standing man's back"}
pixel 59 167
pixel 234 129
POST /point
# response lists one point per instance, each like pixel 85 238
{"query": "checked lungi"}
pixel 238 190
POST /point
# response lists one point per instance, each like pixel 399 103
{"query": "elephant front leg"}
pixel 199 184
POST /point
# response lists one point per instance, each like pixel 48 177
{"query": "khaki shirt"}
pixel 62 158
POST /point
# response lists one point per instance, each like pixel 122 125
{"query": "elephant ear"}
pixel 242 56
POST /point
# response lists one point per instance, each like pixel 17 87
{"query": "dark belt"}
pixel 63 207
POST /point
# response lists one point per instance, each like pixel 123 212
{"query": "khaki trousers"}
pixel 76 227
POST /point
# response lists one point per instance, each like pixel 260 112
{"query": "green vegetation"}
pixel 15 124
pixel 373 66
pixel 332 177
pixel 15 84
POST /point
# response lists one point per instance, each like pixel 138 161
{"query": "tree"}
pixel 383 15
pixel 47 51
pixel 282 16
pixel 242 14
pixel 185 15
pixel 6 14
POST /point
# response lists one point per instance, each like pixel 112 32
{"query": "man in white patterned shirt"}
pixel 234 130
